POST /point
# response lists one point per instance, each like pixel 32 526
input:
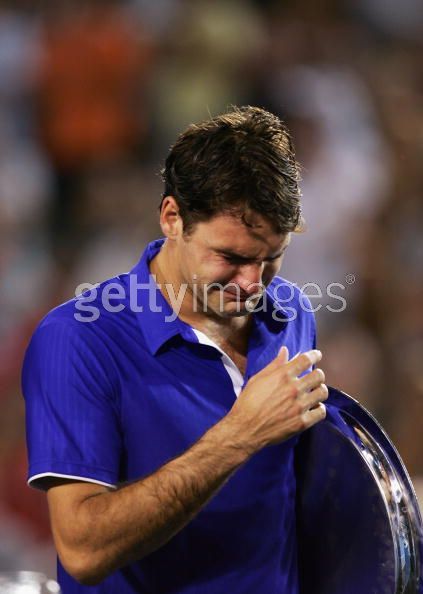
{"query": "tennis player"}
pixel 163 407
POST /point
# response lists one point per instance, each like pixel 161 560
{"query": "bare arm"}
pixel 111 528
pixel 96 530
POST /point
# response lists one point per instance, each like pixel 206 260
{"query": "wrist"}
pixel 233 433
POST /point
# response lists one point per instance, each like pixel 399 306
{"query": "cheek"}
pixel 192 265
pixel 218 273
pixel 221 274
pixel 212 270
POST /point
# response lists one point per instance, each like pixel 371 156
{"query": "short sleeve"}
pixel 72 406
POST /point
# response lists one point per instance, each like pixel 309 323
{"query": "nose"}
pixel 249 277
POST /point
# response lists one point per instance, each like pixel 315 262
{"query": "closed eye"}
pixel 238 260
pixel 274 257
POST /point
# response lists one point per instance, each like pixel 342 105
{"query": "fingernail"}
pixel 314 356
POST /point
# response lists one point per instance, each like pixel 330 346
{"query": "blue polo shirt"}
pixel 115 387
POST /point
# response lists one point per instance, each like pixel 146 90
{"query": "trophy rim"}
pixel 364 440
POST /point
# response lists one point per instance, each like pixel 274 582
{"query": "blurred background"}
pixel 92 93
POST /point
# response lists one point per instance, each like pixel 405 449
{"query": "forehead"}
pixel 251 235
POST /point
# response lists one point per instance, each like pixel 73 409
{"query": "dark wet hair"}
pixel 241 160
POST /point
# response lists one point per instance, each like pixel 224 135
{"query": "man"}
pixel 162 407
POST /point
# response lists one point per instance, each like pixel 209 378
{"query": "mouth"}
pixel 242 298
pixel 236 296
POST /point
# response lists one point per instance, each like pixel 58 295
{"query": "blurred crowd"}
pixel 92 93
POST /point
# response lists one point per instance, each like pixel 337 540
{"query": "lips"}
pixel 242 297
pixel 237 294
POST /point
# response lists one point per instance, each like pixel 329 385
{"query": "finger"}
pixel 283 355
pixel 303 361
pixel 315 397
pixel 315 415
pixel 311 380
pixel 281 359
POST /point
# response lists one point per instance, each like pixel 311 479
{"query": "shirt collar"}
pixel 155 316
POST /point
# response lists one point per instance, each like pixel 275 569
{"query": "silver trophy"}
pixel 359 525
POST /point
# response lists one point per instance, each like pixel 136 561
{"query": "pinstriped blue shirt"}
pixel 115 389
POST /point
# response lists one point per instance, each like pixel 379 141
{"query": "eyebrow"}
pixel 242 258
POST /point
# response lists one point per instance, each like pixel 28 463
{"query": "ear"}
pixel 170 221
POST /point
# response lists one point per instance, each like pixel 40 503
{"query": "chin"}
pixel 234 314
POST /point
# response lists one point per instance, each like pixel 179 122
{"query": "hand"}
pixel 276 404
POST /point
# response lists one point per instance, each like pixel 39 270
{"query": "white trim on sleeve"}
pixel 68 476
